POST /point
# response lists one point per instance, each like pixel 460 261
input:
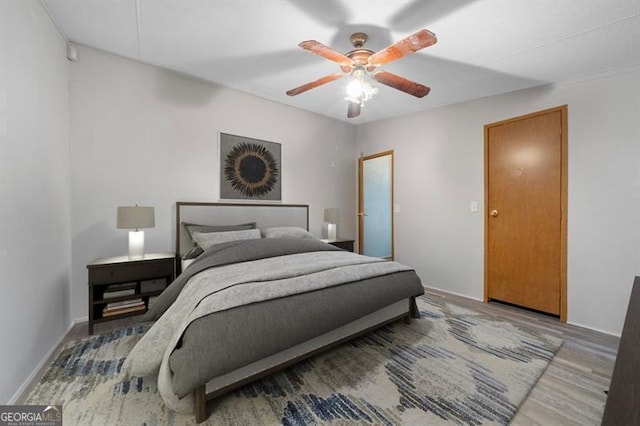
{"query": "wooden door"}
pixel 525 229
pixel 375 205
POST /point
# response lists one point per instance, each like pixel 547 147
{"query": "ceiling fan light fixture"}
pixel 361 66
pixel 359 89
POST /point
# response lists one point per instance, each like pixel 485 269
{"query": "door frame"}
pixel 563 200
pixel 361 161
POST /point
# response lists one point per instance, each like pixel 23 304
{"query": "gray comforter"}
pixel 238 274
pixel 234 252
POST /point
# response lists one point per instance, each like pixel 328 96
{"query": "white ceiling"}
pixel 485 47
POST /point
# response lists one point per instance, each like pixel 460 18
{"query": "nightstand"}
pixel 120 287
pixel 342 243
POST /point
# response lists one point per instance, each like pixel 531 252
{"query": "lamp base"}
pixel 332 231
pixel 136 244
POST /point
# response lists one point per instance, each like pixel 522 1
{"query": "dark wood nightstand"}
pixel 342 243
pixel 120 287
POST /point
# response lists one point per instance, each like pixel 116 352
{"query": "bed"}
pixel 258 293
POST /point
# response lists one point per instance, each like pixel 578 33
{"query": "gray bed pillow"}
pixel 195 227
pixel 286 232
pixel 208 239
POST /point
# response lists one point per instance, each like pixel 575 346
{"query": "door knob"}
pixel 361 214
pixel 494 213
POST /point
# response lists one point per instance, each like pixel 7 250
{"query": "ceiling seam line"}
pixel 558 40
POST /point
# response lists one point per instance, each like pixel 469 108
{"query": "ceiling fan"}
pixel 362 65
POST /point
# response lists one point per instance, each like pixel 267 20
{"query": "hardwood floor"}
pixel 570 392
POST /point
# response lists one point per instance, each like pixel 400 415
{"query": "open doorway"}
pixel 375 205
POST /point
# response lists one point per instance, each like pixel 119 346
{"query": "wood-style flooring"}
pixel 570 392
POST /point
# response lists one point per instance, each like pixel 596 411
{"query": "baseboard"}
pixel 427 288
pixel 588 327
pixel 39 366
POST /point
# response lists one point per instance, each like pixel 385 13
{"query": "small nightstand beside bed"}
pixel 247 308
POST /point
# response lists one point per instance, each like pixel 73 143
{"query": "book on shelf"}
pixel 124 304
pixel 121 286
pixel 119 290
pixel 118 311
pixel 129 304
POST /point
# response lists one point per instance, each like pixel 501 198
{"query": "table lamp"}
pixel 135 218
pixel 332 217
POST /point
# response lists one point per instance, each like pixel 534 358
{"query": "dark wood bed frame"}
pixel 200 394
pixel 201 397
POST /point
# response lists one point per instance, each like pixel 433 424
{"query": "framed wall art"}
pixel 250 169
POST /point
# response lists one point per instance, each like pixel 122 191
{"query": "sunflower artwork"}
pixel 250 169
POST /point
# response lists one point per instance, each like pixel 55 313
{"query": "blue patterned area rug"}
pixel 452 366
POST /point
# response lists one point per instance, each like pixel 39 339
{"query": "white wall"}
pixel 141 134
pixel 34 191
pixel 439 170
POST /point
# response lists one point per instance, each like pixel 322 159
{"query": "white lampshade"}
pixel 332 215
pixel 134 218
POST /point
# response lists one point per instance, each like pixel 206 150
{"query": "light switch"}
pixel 396 208
pixel 473 206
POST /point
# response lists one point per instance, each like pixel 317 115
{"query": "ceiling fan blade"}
pixel 312 85
pixel 326 52
pixel 353 110
pixel 411 87
pixel 413 43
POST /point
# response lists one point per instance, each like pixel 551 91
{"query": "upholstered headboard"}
pixel 232 214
